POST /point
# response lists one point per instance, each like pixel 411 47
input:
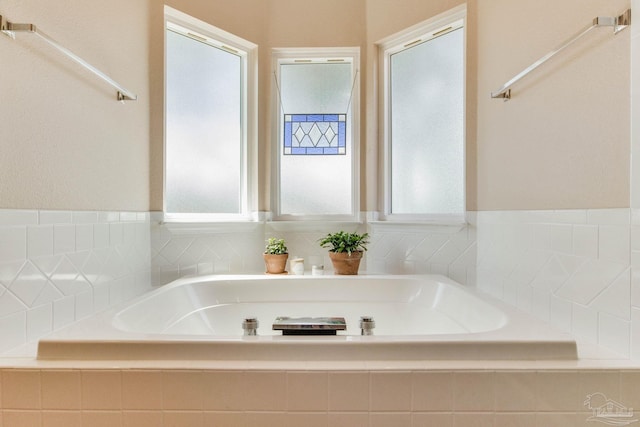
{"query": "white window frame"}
pixel 248 52
pixel 315 55
pixel 448 21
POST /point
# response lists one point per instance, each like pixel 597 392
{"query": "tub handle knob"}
pixel 367 324
pixel 250 326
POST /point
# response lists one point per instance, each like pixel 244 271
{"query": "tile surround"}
pixel 59 266
pixel 520 397
pixel 574 268
pixel 394 249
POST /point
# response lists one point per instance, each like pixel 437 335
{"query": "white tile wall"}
pixel 447 250
pixel 393 249
pixel 577 269
pixel 59 266
pixel 177 254
pixel 574 268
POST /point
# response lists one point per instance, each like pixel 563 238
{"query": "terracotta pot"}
pixel 275 263
pixel 345 263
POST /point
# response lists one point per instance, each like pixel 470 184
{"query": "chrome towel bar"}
pixel 9 29
pixel 618 23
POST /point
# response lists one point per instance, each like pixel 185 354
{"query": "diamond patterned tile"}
pixel 175 248
pixel 159 261
pixel 551 276
pixel 28 284
pixel 615 298
pixel 528 265
pixel 9 271
pixel 47 264
pixel 68 280
pixel 92 267
pixel 86 244
pixel 48 294
pixel 112 269
pixel 405 247
pixel 594 277
pixel 194 253
pixel 78 259
pixel 430 244
pixel 447 254
pixel 9 304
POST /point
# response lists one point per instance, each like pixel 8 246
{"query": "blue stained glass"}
pixel 315 134
pixel 287 134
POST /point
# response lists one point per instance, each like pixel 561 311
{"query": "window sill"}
pixel 418 226
pixel 314 226
pixel 210 227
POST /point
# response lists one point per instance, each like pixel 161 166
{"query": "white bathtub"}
pixel 417 318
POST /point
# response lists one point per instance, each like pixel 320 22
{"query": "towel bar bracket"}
pixel 506 95
pixel 10 28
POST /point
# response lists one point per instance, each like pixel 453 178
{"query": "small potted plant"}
pixel 345 250
pixel 275 256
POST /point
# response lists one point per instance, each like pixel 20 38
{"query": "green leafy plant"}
pixel 345 242
pixel 275 246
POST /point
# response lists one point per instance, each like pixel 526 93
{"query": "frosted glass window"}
pixel 427 126
pixel 204 148
pixel 316 154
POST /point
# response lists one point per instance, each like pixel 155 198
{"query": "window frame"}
pixel 451 20
pixel 248 52
pixel 315 55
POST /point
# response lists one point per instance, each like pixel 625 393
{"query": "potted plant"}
pixel 345 250
pixel 275 256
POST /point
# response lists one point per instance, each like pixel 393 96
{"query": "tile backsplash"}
pixel 573 268
pixel 393 249
pixel 60 266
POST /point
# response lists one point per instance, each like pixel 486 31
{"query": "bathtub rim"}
pixel 491 345
pixel 439 280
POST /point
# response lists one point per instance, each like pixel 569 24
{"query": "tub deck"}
pixel 422 317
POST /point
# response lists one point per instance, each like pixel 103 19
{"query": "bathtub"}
pixel 417 317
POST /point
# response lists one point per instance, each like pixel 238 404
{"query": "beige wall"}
pixel 65 142
pixel 561 142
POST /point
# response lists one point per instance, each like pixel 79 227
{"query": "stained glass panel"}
pixel 315 134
